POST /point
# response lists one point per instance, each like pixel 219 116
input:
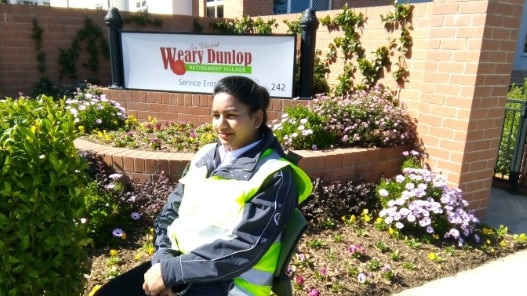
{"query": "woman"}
pixel 219 232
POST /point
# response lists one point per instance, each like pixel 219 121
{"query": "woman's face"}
pixel 233 123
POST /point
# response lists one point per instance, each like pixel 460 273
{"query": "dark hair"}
pixel 250 93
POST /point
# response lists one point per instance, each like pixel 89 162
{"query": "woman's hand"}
pixel 167 292
pixel 153 284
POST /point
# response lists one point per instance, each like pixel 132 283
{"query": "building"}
pixel 209 8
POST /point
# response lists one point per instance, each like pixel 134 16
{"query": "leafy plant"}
pixel 143 19
pixel 110 202
pixel 96 45
pixel 151 196
pixel 336 199
pixel 43 247
pixel 153 135
pixel 362 119
pixel 354 54
pixel 245 25
pixel 420 201
pixel 94 112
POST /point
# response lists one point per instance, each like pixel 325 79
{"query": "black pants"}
pixel 130 283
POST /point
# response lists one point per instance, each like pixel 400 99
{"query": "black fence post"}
pixel 114 21
pixel 516 164
pixel 308 26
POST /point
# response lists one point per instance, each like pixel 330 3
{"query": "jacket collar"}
pixel 244 166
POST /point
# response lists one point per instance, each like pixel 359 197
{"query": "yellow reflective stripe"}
pixel 303 183
pixel 243 287
pixel 269 260
pixel 302 180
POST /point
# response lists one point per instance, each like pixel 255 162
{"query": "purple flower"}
pixel 356 250
pixel 118 232
pixel 301 257
pixel 135 215
pixel 289 271
pixel 314 292
pixel 361 278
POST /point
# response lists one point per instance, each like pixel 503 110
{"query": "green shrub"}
pixel 43 244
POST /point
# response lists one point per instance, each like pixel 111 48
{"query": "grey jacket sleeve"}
pixel 264 218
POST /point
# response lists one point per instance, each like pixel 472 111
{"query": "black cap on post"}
pixel 308 26
pixel 114 21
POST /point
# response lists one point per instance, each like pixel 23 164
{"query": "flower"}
pixel 383 192
pixel 362 278
pixel 420 199
pixel 118 232
pixel 135 215
pixel 115 176
pixel 314 292
pixel 361 119
pixel 114 252
pixel 356 250
pixel 299 280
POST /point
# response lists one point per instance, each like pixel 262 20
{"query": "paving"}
pixel 505 276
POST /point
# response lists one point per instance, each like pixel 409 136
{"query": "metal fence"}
pixel 510 164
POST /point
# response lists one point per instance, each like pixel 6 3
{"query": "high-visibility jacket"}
pixel 213 207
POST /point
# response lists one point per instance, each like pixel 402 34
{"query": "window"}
pixel 141 6
pixel 297 6
pixel 214 8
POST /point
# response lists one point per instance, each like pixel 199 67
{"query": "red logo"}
pixel 178 67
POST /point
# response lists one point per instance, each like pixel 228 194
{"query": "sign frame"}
pixel 192 63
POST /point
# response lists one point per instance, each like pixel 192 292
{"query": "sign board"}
pixel 194 63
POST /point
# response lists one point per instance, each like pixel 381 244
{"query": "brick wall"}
pixel 166 106
pixel 357 165
pixel 468 65
pixel 239 8
pixel 18 61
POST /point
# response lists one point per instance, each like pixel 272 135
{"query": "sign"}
pixel 194 63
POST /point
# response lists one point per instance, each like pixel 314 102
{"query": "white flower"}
pixel 115 176
pixel 383 192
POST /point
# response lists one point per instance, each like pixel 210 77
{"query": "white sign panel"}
pixel 194 63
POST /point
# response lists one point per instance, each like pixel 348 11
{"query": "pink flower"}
pixel 299 279
pixel 314 292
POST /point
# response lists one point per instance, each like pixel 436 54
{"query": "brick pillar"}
pixel 468 68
